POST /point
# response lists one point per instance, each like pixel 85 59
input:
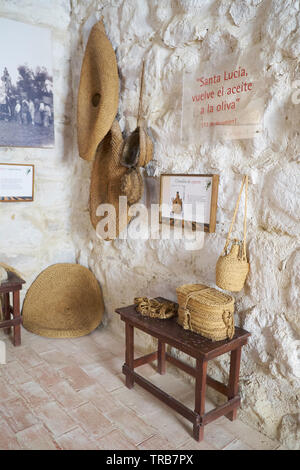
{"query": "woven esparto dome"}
pixel 65 301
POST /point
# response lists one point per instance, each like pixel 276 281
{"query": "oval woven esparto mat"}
pixel 64 301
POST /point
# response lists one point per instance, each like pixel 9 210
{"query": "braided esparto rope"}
pixel 154 309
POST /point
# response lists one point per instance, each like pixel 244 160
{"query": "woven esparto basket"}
pixel 64 301
pixel 132 185
pixel 232 268
pixel 206 311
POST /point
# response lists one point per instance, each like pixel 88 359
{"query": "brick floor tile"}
pixel 76 376
pixel 8 439
pixel 156 443
pixel 86 345
pixel 76 439
pixel 237 444
pixel 115 440
pixel 27 357
pixel 71 394
pixel 105 378
pixel 174 386
pixel 191 444
pixel 147 370
pixel 113 364
pixel 217 435
pixel 45 376
pixel 6 392
pixel 137 399
pixel 57 359
pixel 17 414
pixel 102 399
pixel 36 438
pixel 66 395
pixel 14 373
pixel 42 345
pixel 92 420
pixel 169 423
pixel 55 418
pixel 249 436
pixel 66 346
pixel 109 342
pixel 33 394
pixel 130 424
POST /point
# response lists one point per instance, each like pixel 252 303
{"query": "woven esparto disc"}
pixel 98 93
pixel 65 301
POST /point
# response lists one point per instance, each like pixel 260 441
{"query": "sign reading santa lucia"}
pixel 223 98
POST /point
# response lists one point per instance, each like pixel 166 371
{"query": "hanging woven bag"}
pixel 232 266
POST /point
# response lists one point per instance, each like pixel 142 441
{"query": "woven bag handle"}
pixel 141 95
pixel 244 183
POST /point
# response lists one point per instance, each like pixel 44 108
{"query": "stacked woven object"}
pixel 206 311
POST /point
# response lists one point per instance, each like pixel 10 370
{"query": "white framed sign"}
pixel 16 182
pixel 189 198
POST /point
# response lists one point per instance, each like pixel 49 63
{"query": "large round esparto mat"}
pixel 65 301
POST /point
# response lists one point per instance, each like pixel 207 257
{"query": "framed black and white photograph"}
pixel 189 198
pixel 16 182
pixel 26 85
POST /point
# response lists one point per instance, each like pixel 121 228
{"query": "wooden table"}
pixel 13 285
pixel 200 348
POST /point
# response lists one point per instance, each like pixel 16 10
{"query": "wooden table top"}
pixel 170 332
pixel 12 283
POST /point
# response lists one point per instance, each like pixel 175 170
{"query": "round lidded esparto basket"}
pixel 206 311
pixel 65 301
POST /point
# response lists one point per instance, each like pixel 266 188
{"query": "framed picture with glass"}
pixel 189 198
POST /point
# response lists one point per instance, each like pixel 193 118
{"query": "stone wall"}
pixel 34 235
pixel 169 34
pixel 56 227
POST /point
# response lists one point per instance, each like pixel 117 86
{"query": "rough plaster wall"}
pixel 171 34
pixel 56 226
pixel 36 234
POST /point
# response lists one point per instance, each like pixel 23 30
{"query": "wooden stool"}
pixel 12 285
pixel 202 349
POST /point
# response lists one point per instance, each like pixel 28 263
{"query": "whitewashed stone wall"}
pixel 36 234
pixel 56 227
pixel 171 34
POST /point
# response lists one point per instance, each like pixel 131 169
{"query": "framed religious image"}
pixel 189 198
pixel 16 182
pixel 26 85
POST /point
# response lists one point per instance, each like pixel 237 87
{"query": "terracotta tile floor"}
pixel 70 394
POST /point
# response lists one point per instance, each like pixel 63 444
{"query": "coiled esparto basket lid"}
pixel 65 301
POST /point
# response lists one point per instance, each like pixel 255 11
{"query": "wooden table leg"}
pixel 233 385
pixel 161 358
pixel 16 314
pixel 6 311
pixel 200 389
pixel 129 354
